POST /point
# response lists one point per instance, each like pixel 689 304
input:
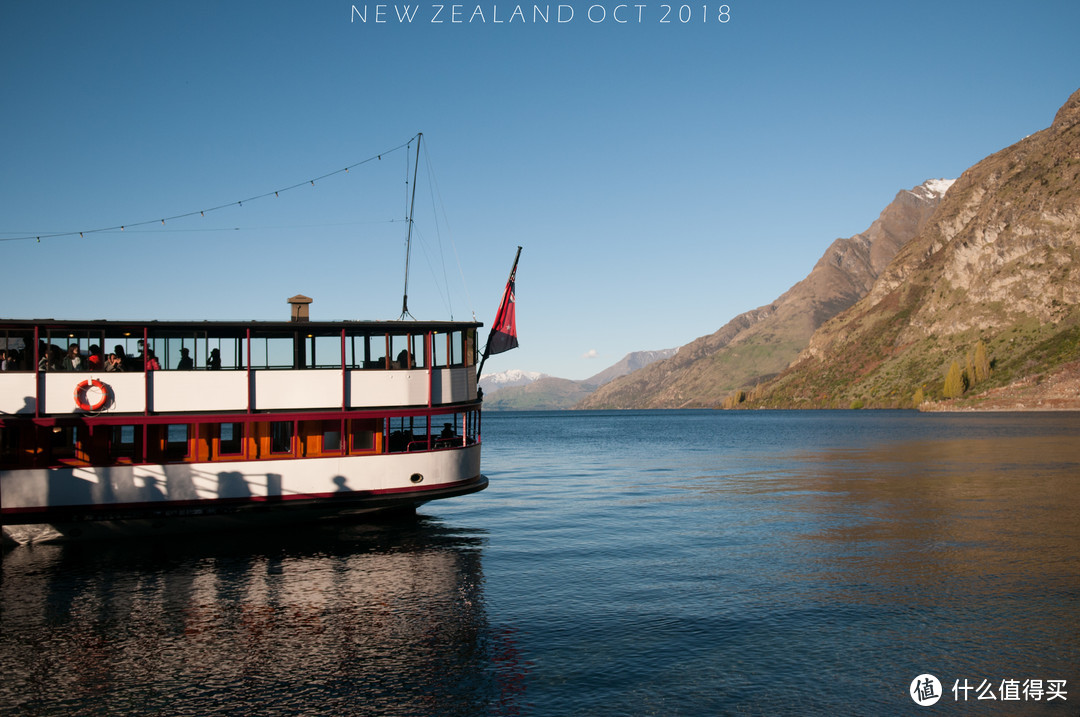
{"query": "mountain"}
pixel 630 363
pixel 758 344
pixel 525 390
pixel 544 394
pixel 991 283
pixel 505 379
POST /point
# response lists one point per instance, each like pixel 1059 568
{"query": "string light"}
pixel 202 212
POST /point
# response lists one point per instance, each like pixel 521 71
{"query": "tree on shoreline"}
pixel 954 382
pixel 981 363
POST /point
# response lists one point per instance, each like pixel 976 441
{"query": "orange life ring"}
pixel 80 392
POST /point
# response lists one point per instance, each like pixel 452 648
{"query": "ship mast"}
pixel 408 237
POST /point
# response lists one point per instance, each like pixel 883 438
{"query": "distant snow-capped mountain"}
pixel 504 379
pixel 529 390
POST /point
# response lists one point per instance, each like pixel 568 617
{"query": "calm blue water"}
pixel 622 563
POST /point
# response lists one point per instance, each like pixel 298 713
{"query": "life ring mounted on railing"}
pixel 82 395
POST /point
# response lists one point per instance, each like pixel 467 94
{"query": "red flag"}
pixel 503 335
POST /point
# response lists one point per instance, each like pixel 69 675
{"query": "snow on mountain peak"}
pixel 508 378
pixel 933 188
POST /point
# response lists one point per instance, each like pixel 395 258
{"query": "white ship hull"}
pixel 58 503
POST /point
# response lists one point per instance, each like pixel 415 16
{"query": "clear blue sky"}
pixel 661 177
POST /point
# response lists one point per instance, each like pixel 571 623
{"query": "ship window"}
pixel 376 351
pixel 230 438
pixel 368 351
pixel 64 340
pixel 362 435
pixel 176 440
pixel 439 350
pixel 408 433
pixel 65 439
pixel 457 357
pixel 126 348
pixel 9 446
pixel 418 352
pixel 19 348
pixel 281 435
pixel 223 352
pixel 331 437
pixel 401 353
pixel 124 443
pixel 446 430
pixel 470 347
pixel 358 351
pixel 177 349
pixel 274 351
pixel 326 352
pixel 171 440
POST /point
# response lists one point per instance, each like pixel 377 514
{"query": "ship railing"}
pixel 435 443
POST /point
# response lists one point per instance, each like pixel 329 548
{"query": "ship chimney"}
pixel 299 304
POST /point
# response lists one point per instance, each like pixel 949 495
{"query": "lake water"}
pixel 621 563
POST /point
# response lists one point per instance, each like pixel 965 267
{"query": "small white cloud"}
pixel 591 354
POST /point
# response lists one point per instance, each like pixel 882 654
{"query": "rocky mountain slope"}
pixel 758 344
pixel 995 273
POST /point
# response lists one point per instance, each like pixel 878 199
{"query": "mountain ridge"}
pixel 758 344
pixel 998 266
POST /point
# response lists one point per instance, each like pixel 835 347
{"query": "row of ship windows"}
pixel 79 444
pixel 97 350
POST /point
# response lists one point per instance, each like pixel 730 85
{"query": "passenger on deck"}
pixel 50 357
pixel 214 362
pixel 447 431
pixel 152 362
pixel 113 363
pixel 94 361
pixel 73 361
pixel 185 363
pixel 126 363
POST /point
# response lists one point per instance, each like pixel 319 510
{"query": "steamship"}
pixel 125 427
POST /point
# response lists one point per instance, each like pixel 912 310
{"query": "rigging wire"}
pixel 254 228
pixel 438 234
pixel 435 192
pixel 202 212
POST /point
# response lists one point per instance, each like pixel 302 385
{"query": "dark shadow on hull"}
pixel 221 516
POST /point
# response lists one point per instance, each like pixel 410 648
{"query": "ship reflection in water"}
pixel 356 619
pixel 630 563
